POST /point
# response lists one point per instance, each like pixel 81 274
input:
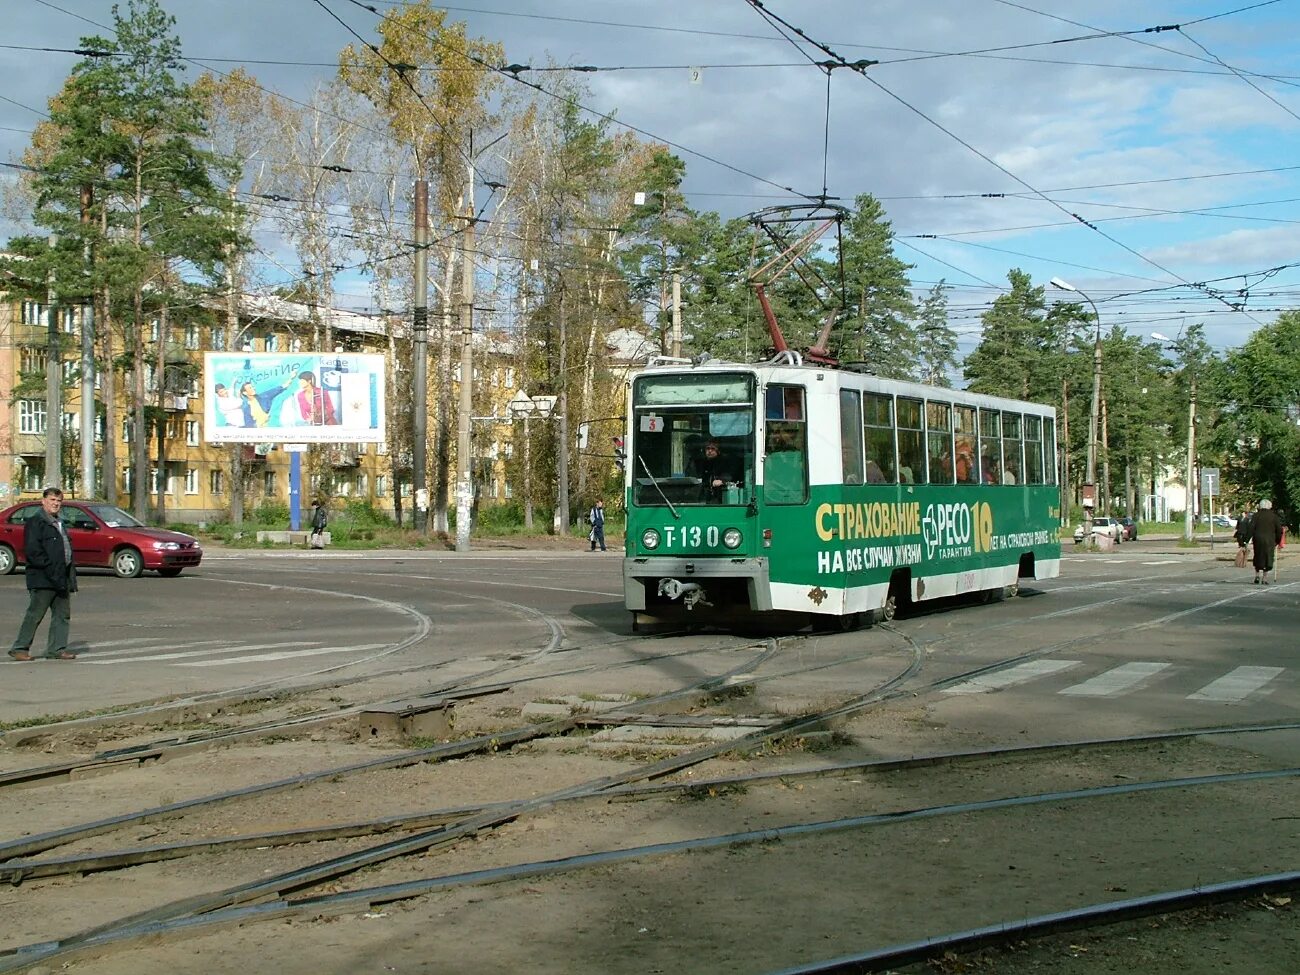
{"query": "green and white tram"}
pixel 785 487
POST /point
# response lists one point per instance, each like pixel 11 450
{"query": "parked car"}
pixel 1130 529
pixel 1108 527
pixel 103 535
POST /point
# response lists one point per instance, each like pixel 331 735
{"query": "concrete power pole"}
pixel 1189 516
pixel 420 359
pixel 562 493
pixel 87 424
pixel 465 474
pixel 677 314
pixel 53 388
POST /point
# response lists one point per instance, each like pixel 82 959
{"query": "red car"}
pixel 103 535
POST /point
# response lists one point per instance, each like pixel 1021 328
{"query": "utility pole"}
pixel 1189 520
pixel 53 385
pixel 465 476
pixel 677 314
pixel 562 493
pixel 88 488
pixel 420 357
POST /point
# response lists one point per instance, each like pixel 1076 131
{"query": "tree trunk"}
pixel 108 389
pixel 160 372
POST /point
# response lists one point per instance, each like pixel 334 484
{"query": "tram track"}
pixel 16 871
pixel 241 905
pixel 486 819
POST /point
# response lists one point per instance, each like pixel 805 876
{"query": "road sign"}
pixel 1210 480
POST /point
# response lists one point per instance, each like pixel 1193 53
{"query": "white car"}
pixel 1109 527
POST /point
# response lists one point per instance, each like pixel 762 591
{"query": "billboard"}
pixel 298 397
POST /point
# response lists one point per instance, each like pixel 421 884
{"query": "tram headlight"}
pixel 731 538
pixel 650 539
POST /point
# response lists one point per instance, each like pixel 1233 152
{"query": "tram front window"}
pixel 693 440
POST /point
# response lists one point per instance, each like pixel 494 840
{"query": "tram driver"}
pixel 714 471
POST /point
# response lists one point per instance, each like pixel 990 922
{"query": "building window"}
pixel 218 339
pixel 71 370
pixel 268 483
pixel 69 317
pixel 191 481
pixel 215 479
pixel 33 473
pixel 510 377
pixel 31 416
pixel 272 343
pixel 126 433
pixel 381 485
pixel 155 329
pixel 295 345
pixel 33 313
pixel 363 485
pixel 71 422
pixel 345 487
pixel 192 433
pixel 31 359
pixel 382 448
pixel 99 428
pixel 191 336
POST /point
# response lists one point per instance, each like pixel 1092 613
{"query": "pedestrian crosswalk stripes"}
pixel 1116 680
pixel 1234 687
pixel 1019 674
pixel 1237 684
pixel 222 653
pixel 283 655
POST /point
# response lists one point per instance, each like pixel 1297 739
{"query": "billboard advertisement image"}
pixel 299 397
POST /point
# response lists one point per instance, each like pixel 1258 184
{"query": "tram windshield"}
pixel 693 439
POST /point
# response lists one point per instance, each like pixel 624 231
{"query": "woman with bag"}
pixel 318 522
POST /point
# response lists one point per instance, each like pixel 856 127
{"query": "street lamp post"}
pixel 1189 520
pixel 1091 477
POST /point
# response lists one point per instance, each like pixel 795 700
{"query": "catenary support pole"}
pixel 464 465
pixel 420 360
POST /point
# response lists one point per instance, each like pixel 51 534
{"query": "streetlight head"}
pixel 1063 285
pixel 1159 337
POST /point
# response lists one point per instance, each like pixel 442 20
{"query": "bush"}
pixel 271 513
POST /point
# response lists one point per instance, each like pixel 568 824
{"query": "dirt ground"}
pixel 757 907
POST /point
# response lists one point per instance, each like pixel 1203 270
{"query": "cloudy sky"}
pixel 1156 170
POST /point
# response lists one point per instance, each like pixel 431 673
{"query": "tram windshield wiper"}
pixel 655 481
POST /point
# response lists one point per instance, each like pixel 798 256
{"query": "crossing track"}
pixel 935 664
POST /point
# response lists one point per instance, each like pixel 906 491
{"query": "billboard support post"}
pixel 295 491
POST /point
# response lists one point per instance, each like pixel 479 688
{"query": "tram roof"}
pixel 846 379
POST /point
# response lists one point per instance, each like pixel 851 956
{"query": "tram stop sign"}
pixel 1210 481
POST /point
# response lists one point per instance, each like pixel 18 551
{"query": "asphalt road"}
pixel 1144 638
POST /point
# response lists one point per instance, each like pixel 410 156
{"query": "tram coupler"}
pixel 690 593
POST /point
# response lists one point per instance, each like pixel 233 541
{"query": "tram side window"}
pixel 938 424
pixel 851 435
pixel 785 464
pixel 878 426
pixel 990 447
pixel 1011 466
pixel 1033 450
pixel 964 444
pixel 911 442
pixel 1049 450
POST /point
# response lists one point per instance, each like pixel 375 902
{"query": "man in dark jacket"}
pixel 51 580
pixel 1265 536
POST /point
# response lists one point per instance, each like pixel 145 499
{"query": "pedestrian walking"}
pixel 51 580
pixel 597 518
pixel 1242 533
pixel 318 521
pixel 1266 536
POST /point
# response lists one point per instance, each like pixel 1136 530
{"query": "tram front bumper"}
pixel 722 580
